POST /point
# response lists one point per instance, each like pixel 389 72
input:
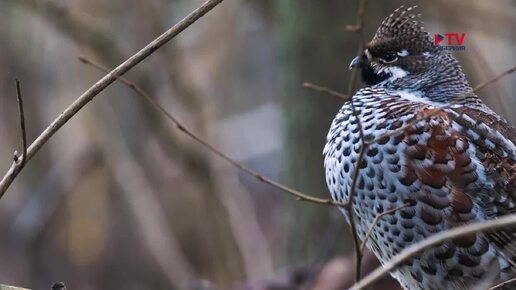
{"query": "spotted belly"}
pixel 397 171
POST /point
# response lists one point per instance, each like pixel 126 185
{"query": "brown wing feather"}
pixel 493 149
pixel 470 176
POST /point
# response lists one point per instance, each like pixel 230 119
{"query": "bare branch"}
pixel 375 221
pixel 434 240
pixel 504 283
pixel 103 83
pixel 297 194
pixel 358 28
pixel 22 124
pixel 496 78
pixel 326 90
pixel 349 207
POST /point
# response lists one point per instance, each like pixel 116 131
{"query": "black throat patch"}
pixel 370 77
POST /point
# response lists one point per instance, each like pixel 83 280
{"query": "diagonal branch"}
pixel 297 194
pixel 504 283
pixel 103 83
pixel 496 78
pixel 326 90
pixel 411 251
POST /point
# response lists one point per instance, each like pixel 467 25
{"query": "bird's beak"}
pixel 354 63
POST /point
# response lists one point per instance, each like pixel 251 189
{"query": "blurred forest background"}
pixel 120 199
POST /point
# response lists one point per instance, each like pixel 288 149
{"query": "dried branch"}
pixel 23 158
pixel 496 78
pixel 103 83
pixel 297 194
pixel 502 284
pixel 326 90
pixel 375 221
pixel 349 205
pixel 411 251
pixel 358 28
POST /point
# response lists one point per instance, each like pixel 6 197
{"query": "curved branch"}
pixel 297 194
pixel 491 225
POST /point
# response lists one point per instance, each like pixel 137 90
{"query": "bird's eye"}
pixel 389 57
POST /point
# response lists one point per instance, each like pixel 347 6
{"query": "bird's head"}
pixel 401 52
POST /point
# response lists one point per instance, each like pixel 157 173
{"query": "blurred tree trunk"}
pixel 311 36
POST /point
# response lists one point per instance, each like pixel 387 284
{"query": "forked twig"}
pixel 376 220
pixel 297 194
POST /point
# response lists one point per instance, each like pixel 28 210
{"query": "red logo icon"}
pixel 459 38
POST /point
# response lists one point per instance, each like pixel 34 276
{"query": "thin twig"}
pixel 358 28
pixel 326 90
pixel 349 207
pixel 375 221
pixel 103 83
pixel 501 75
pixel 23 159
pixel 411 251
pixel 297 194
pixel 504 283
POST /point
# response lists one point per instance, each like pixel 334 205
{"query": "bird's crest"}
pixel 403 28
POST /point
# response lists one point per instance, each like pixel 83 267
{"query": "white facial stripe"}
pixel 415 97
pixel 403 53
pixel 368 54
pixel 395 71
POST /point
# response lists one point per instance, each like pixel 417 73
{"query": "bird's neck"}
pixel 443 84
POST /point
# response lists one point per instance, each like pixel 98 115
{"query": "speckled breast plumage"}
pixel 456 167
pixel 437 168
